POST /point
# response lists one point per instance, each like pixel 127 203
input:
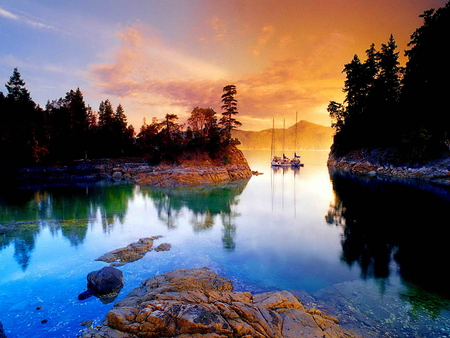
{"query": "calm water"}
pixel 285 229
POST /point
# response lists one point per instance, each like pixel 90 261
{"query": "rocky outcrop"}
pixel 192 169
pixel 198 169
pixel 199 303
pixel 132 252
pixel 375 163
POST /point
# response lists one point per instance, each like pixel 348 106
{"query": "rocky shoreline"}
pixel 370 163
pixel 191 170
pixel 198 303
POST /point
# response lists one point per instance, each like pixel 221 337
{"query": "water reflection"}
pixel 71 210
pixel 392 228
pixel 205 203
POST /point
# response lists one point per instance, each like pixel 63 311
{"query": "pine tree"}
pixel 23 139
pixel 425 84
pixel 229 105
pixel 16 88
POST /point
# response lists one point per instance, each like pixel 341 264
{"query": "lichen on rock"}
pixel 198 303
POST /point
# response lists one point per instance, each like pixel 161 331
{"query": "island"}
pixel 70 141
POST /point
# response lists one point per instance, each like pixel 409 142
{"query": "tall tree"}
pixel 16 88
pixel 23 124
pixel 229 106
pixel 425 83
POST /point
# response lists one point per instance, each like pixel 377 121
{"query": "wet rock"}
pixel 198 303
pixel 2 333
pixel 86 323
pixel 130 253
pixel 163 247
pixel 105 284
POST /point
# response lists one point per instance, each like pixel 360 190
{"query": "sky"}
pixel 168 56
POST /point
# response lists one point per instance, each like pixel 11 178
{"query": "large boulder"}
pixel 105 284
pixel 199 303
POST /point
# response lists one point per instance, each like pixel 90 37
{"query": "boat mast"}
pixel 295 139
pixel 272 146
pixel 284 135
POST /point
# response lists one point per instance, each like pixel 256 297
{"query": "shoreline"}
pixel 192 170
pixel 367 163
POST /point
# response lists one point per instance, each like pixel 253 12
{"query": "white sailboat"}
pixel 296 162
pixel 278 161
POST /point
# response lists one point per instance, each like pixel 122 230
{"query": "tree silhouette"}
pixel 229 107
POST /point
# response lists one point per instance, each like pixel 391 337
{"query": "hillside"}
pixel 310 136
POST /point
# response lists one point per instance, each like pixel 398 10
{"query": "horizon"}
pixel 158 57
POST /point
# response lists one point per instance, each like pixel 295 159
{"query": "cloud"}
pixel 8 15
pixel 151 77
pixel 23 19
pixel 267 33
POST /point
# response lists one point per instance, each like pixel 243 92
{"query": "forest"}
pixel 68 129
pixel 400 110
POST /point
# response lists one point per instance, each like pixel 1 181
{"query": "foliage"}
pixel 388 106
pixel 229 107
pixel 68 129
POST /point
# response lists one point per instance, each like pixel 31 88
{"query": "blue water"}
pixel 272 232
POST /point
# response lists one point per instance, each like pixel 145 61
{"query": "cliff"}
pixel 198 303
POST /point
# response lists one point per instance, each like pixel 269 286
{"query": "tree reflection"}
pixel 206 204
pixel 70 210
pixel 62 209
pixel 392 225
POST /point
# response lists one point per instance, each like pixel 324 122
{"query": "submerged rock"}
pixel 2 333
pixel 131 252
pixel 199 303
pixel 105 284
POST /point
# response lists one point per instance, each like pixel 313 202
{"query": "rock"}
pixel 163 247
pixel 2 333
pixel 198 303
pixel 130 253
pixel 105 284
pixel 87 323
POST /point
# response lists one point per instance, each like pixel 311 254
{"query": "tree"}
pixel 105 116
pixel 369 117
pixel 425 83
pixel 201 121
pixel 114 137
pixel 23 124
pixel 229 107
pixel 146 139
pixel 16 88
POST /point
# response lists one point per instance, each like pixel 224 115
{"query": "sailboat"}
pixel 278 161
pixel 295 162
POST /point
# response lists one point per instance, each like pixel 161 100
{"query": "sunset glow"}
pixel 158 57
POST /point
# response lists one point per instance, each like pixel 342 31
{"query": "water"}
pixel 285 229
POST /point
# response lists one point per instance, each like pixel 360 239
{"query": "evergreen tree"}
pixel 23 124
pixel 16 88
pixel 229 105
pixel 384 97
pixel 425 85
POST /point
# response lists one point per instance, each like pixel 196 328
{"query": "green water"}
pixel 285 229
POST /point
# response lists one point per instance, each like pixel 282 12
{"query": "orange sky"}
pixel 157 57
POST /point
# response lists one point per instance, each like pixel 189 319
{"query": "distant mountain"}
pixel 309 136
